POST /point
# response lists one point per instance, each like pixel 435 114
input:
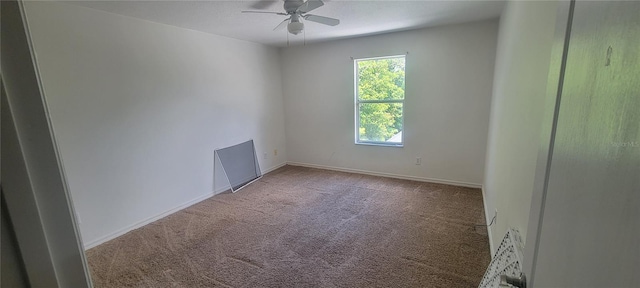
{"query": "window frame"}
pixel 357 103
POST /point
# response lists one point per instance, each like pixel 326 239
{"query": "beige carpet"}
pixel 302 227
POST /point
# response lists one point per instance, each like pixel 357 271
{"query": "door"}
pixel 588 218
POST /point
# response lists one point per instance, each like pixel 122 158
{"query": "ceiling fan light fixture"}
pixel 295 27
pixel 297 10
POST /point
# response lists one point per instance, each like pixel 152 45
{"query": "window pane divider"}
pixel 381 101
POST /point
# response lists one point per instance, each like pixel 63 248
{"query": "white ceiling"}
pixel 357 18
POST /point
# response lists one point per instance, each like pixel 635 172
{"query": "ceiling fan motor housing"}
pixel 291 6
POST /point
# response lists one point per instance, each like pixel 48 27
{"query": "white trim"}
pixel 139 224
pixel 384 144
pixel 380 57
pixel 274 168
pixel 390 175
pixel 157 217
pixel 559 50
pixel 358 102
pixel 487 220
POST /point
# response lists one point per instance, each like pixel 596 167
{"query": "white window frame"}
pixel 358 102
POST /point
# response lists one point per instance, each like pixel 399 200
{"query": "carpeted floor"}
pixel 302 227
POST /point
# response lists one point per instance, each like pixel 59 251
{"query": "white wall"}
pixel 522 65
pixel 139 107
pixel 449 74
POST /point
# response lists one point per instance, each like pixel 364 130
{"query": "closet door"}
pixel 589 232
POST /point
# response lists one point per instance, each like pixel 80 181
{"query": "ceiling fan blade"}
pixel 263 4
pixel 310 5
pixel 264 12
pixel 322 20
pixel 282 24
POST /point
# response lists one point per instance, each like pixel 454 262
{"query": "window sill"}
pixel 399 145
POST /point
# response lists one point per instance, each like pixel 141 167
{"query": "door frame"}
pixel 33 179
pixel 564 17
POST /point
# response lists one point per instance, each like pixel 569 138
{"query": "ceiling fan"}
pixel 297 10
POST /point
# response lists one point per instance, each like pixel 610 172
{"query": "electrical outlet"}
pixel 275 152
pixel 265 155
pixel 418 160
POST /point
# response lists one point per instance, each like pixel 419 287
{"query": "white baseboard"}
pixel 487 220
pixel 137 225
pixel 390 175
pixel 274 168
pixel 151 219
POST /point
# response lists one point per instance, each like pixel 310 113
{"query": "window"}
pixel 379 93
